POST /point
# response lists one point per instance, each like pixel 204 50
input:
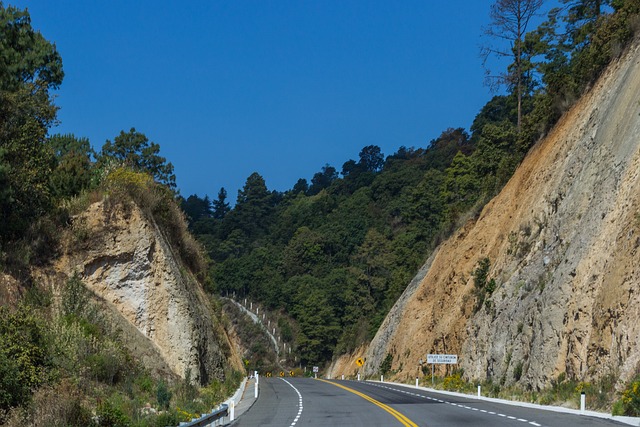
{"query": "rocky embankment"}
pixel 124 259
pixel 563 241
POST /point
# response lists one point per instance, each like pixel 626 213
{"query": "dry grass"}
pixel 60 405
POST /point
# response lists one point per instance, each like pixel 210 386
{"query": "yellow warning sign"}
pixel 359 361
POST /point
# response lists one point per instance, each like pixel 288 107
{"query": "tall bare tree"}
pixel 509 22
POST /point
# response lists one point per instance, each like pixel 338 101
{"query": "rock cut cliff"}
pixel 563 240
pixel 125 260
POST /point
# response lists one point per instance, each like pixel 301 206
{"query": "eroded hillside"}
pixel 562 240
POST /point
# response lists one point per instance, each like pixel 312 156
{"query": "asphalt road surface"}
pixel 289 402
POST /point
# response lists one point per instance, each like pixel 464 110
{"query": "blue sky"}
pixel 227 88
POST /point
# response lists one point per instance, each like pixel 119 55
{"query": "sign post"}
pixel 441 359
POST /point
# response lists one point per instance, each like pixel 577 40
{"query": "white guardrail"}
pixel 217 416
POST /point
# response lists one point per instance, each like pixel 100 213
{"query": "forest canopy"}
pixel 335 254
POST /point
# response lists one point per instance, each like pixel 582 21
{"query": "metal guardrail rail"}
pixel 227 409
pixel 208 419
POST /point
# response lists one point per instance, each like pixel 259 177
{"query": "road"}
pixel 289 402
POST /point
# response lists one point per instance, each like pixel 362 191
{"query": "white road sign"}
pixel 315 369
pixel 446 359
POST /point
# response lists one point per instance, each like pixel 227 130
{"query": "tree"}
pixel 220 206
pixel 425 201
pixel 304 253
pixel 460 187
pixel 30 67
pixel 498 109
pixel 372 262
pixel 25 55
pixel 135 151
pixel 196 208
pixel 301 186
pixel 581 19
pixel 253 207
pixel 5 170
pixel 71 175
pixel 72 172
pixel 509 21
pixel 371 158
pixel 69 143
pixel 349 167
pixel 323 179
pixel 25 354
pixel 316 318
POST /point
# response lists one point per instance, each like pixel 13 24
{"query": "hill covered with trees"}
pixel 336 252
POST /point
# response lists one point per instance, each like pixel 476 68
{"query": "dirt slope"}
pixel 563 239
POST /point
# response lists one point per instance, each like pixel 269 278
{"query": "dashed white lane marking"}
pixel 297 418
pixel 533 423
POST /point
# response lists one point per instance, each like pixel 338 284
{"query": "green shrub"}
pixel 163 395
pixel 109 415
pixel 74 296
pixel 25 355
pixel 12 391
pixel 454 383
pixel 385 366
pixel 483 287
pixel 144 383
pixel 108 363
pixel 618 408
pixel 631 399
pixel 517 371
pixel 167 418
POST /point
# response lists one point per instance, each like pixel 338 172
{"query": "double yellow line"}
pixel 400 417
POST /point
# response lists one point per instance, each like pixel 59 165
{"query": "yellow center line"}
pixel 400 417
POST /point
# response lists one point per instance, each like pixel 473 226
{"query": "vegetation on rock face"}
pixel 484 286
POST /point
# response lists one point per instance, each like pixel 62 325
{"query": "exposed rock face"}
pixel 9 290
pixel 563 238
pixel 124 259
